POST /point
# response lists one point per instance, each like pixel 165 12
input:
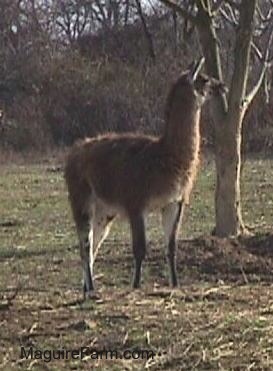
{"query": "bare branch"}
pixel 95 15
pixel 252 94
pixel 233 4
pixel 146 31
pixel 231 15
pixel 265 21
pixel 265 18
pixel 102 13
pixel 217 6
pixel 267 86
pixel 153 7
pixel 219 3
pixel 266 63
pixel 180 10
pixel 126 12
pixel 229 18
pixel 257 51
pixel 206 5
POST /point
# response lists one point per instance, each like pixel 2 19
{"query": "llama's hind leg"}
pixel 90 240
pixel 80 197
pixel 93 227
pixel 84 232
pixel 139 245
pixel 171 218
pixel 99 227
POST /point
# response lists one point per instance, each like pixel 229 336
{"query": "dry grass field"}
pixel 221 317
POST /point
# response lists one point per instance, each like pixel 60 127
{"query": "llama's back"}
pixel 127 170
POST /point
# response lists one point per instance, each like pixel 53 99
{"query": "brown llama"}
pixel 130 174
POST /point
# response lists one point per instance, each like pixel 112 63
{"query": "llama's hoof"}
pixel 174 284
pixel 90 295
pixel 136 285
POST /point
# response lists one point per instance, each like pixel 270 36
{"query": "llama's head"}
pixel 203 85
pixel 196 85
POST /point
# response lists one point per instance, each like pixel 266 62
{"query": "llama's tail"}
pixel 79 191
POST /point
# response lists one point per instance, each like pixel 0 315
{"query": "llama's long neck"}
pixel 181 137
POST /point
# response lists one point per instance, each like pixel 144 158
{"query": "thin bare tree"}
pixel 251 20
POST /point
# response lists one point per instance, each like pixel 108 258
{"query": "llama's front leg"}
pixel 139 245
pixel 171 218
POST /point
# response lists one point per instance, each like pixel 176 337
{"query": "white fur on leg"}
pixel 101 227
pixel 169 218
pixel 91 248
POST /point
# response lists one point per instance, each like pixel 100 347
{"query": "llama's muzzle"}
pixel 218 86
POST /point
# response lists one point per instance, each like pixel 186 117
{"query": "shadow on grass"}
pixel 10 223
pixel 9 253
pixel 260 245
pixel 207 259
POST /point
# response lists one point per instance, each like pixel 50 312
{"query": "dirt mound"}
pixel 244 259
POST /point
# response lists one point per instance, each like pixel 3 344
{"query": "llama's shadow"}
pixel 260 245
pixel 207 259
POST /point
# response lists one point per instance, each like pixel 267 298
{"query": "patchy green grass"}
pixel 221 318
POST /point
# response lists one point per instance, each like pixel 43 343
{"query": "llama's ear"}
pixel 195 68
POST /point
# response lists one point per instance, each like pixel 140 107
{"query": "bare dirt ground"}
pixel 220 318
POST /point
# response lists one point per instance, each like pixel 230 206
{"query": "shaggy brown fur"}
pixel 130 173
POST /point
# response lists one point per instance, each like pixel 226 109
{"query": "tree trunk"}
pixel 228 156
pixel 228 169
pixel 228 116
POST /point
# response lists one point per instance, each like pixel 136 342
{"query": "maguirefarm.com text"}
pixel 48 355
